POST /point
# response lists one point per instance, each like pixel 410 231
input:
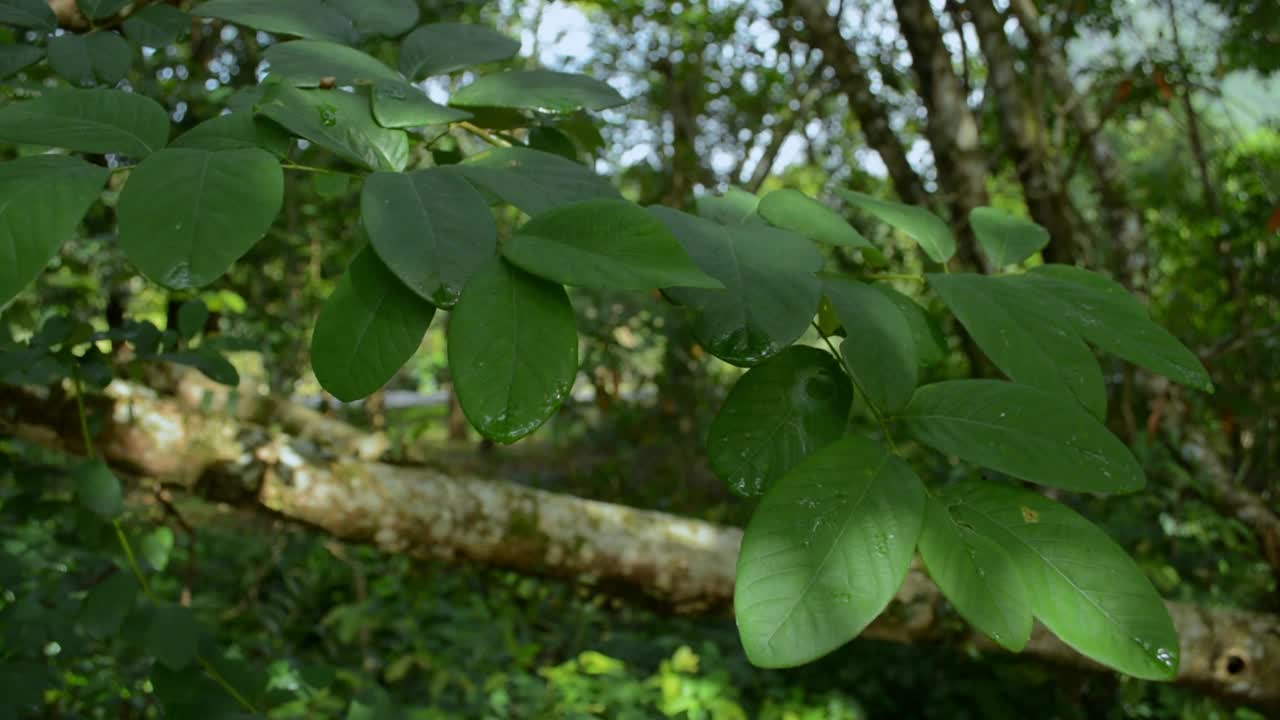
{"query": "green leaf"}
pixel 157 26
pixel 733 207
pixel 97 489
pixel 610 244
pixel 550 139
pixel 532 180
pixel 173 636
pixel 210 363
pixel 1025 432
pixel 192 316
pixel 303 18
pixel 977 576
pixel 87 60
pixel 770 293
pixel 388 18
pixel 513 350
pixel 1024 332
pixel 1006 239
pixel 89 121
pixel 793 210
pixel 186 215
pixel 22 684
pixel 1082 585
pixel 236 130
pixel 445 47
pixel 156 547
pixel 100 9
pixel 825 552
pixel 1103 313
pixel 431 228
pixel 404 106
pixel 368 328
pixel 16 57
pixel 307 62
pixel 541 90
pixel 930 232
pixel 44 199
pixel 777 414
pixel 108 604
pixel 931 349
pixel 879 348
pixel 35 14
pixel 339 122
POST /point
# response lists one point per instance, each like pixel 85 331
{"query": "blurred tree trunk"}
pixel 683 564
pixel 1025 133
pixel 1127 257
pixel 951 127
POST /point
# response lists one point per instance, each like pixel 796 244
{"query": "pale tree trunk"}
pixel 1128 256
pixel 951 127
pixel 687 565
pixel 1025 133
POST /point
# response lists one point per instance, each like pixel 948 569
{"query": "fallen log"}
pixel 685 564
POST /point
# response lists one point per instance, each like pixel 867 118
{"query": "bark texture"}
pixel 686 564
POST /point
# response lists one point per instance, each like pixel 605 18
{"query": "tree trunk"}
pixel 1025 133
pixel 687 565
pixel 1128 256
pixel 951 127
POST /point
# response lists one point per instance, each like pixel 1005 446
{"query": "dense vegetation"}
pixel 870 309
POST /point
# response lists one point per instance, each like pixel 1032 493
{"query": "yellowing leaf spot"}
pixel 1029 515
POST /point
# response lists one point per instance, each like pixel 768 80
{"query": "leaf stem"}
pixel 312 169
pixel 483 134
pixel 895 276
pixel 875 411
pixel 132 558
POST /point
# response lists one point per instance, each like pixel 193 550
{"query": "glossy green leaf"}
pixel 100 9
pixel 532 180
pixel 1082 586
pixel 155 548
pixel 305 63
pixel 108 604
pixel 157 26
pixel 90 121
pixel 879 348
pixel 1006 239
pixel 1026 335
pixel 404 106
pixel 302 18
pixel 977 575
pixel 929 231
pixel 35 14
pixel 770 292
pixel 431 228
pixel 173 636
pixel 732 207
pixel 211 364
pixel 87 60
pixel 388 18
pixel 368 328
pixel 236 130
pixel 186 214
pixel 611 244
pixel 42 200
pixel 97 489
pixel 513 350
pixel 445 47
pixel 1025 432
pixel 931 348
pixel 541 90
pixel 825 552
pixel 339 122
pixel 793 210
pixel 777 414
pixel 1105 314
pixel 16 57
